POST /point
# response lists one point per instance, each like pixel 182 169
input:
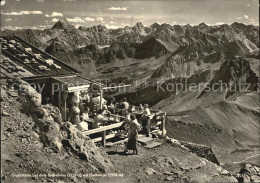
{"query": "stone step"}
pixel 153 145
pixel 110 144
pixel 145 140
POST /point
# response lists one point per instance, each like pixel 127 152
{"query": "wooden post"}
pixel 64 105
pixel 101 95
pixel 163 124
pixel 59 98
pixel 104 138
pixel 52 93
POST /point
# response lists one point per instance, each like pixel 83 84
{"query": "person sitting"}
pixel 99 118
pixel 111 105
pixel 84 119
pixel 85 99
pixel 146 120
pixel 97 121
pixel 74 117
pixel 141 108
pixel 106 111
pixel 102 102
pixel 124 105
pixel 133 129
pixel 85 115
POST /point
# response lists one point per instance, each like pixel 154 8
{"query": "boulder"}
pixel 4 113
pixel 83 147
pixel 40 112
pixel 168 173
pixel 255 178
pixel 245 178
pixel 174 142
pixel 176 172
pixel 149 171
pixel 225 172
pixel 257 169
pixel 34 97
pixel 248 169
pixel 53 137
pixel 169 178
pixel 165 161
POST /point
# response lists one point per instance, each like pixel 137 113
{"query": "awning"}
pixel 76 83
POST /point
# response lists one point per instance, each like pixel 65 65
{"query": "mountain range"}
pixel 185 49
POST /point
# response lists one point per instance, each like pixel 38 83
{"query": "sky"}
pixel 41 14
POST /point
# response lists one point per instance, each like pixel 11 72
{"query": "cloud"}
pixel 55 20
pixel 36 12
pixel 8 19
pixel 124 25
pixel 44 26
pixel 76 20
pixel 246 17
pixel 22 13
pixel 88 19
pixel 117 8
pixel 101 19
pixel 80 20
pixel 40 1
pixel 27 27
pixel 111 22
pixel 174 23
pixel 248 5
pixel 54 14
pixel 3 2
pixel 77 25
pixel 111 26
pixel 254 23
pixel 219 23
pixel 10 27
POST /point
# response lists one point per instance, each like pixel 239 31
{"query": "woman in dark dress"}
pixel 133 128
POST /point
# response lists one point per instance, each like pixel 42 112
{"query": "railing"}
pixel 103 130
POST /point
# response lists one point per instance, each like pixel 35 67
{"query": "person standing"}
pixel 146 120
pixel 94 102
pixel 133 129
pixel 125 104
pixel 85 99
pixel 127 120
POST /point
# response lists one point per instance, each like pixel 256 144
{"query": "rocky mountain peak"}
pixel 63 24
pixel 202 25
pixel 155 25
pixel 139 28
pixel 237 25
pixel 95 28
pixel 139 25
